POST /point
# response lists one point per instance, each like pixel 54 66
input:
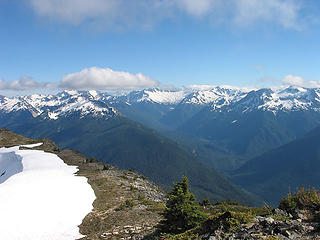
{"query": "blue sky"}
pixel 103 44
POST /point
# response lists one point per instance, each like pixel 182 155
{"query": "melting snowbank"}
pixel 43 201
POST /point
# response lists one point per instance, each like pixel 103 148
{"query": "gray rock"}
pixel 259 219
pixel 269 220
pixel 286 233
pixel 300 214
pixel 280 212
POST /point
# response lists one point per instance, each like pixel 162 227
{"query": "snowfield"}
pixel 40 197
pixel 10 164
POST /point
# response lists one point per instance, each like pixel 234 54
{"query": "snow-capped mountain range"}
pixel 222 98
pixel 239 121
pixel 61 104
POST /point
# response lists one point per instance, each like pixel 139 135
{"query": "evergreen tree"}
pixel 205 202
pixel 181 213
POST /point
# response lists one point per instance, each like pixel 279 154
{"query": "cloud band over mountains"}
pixel 106 79
pixel 87 79
pixel 23 84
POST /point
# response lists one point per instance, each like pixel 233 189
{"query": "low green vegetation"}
pixel 228 221
pixel 305 198
pixel 228 216
pixel 153 206
pixel 184 219
pixel 230 206
pixel 205 202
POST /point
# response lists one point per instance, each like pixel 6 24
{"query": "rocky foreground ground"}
pixel 236 222
pixel 279 226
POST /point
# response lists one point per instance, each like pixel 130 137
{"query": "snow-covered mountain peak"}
pixel 154 95
pixel 282 99
pixel 94 93
pixel 69 92
pixel 61 104
pixel 163 96
pixel 217 96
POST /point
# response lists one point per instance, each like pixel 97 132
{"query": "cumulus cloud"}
pixel 106 79
pixel 146 13
pixel 291 80
pixel 22 84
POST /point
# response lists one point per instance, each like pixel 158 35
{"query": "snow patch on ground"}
pixel 10 164
pixel 42 201
pixel 32 145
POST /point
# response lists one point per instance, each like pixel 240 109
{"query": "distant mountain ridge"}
pixel 245 122
pixel 217 98
pixel 61 104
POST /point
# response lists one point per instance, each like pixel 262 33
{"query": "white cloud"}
pixel 196 8
pixel 145 13
pixel 106 13
pixel 314 84
pixel 288 80
pixel 22 84
pixel 106 79
pixel 283 12
pixel 73 11
pixel 293 80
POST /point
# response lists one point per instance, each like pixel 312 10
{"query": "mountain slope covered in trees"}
pixel 283 169
pixel 129 145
